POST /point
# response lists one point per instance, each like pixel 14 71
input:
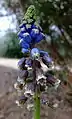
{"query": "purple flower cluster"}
pixel 31 75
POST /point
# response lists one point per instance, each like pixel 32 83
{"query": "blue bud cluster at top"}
pixel 29 35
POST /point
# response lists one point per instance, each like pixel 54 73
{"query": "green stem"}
pixel 37 106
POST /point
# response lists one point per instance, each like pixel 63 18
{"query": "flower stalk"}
pixel 37 105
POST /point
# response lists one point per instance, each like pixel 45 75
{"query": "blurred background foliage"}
pixel 12 46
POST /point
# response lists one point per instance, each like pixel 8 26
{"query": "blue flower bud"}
pixel 34 26
pixel 25 36
pixel 39 37
pixel 20 35
pixel 34 33
pixel 47 59
pixel 35 53
pixel 42 53
pixel 23 30
pixel 25 45
pixel 25 50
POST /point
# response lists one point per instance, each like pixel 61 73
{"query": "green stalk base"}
pixel 37 107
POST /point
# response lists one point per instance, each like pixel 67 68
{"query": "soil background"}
pixel 8 108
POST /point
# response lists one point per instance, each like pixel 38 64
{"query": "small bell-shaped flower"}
pixel 29 89
pixel 21 101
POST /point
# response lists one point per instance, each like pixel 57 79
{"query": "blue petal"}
pixel 47 59
pixel 39 37
pixel 42 53
pixel 23 30
pixel 34 26
pixel 25 36
pixel 37 27
pixel 35 50
pixel 34 33
pixel 28 30
pixel 20 34
pixel 23 44
pixel 28 62
pixel 25 50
